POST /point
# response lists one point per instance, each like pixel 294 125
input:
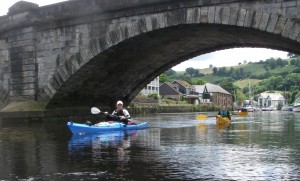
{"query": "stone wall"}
pixel 4 73
pixel 22 51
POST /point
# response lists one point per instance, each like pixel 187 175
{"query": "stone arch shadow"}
pixel 120 63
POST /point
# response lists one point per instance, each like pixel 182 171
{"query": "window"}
pixel 269 103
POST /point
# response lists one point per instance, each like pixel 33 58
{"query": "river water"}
pixel 261 146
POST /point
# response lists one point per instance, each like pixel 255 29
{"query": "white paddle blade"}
pixel 95 110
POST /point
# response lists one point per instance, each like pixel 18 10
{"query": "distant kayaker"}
pixel 224 112
pixel 120 114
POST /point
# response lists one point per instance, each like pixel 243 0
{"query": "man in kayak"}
pixel 224 112
pixel 120 114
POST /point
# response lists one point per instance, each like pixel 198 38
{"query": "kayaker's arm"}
pixel 126 114
pixel 219 114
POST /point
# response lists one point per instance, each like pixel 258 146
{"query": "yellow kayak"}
pixel 242 114
pixel 222 120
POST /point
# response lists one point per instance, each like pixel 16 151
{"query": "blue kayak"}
pixel 77 128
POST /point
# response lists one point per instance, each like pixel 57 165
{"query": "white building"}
pixel 262 99
pixel 271 99
pixel 152 87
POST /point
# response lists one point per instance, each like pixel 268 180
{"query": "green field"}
pixel 283 69
pixel 244 83
pixel 206 71
pixel 255 69
pixel 210 78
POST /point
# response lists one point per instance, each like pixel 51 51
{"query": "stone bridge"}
pixel 93 52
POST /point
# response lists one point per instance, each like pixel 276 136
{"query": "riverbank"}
pixel 169 108
pixel 34 110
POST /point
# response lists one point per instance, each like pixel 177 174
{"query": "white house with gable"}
pixel 262 99
pixel 271 99
pixel 152 87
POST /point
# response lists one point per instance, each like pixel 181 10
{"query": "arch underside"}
pixel 121 71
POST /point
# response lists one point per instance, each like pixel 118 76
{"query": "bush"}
pixel 297 70
pixel 153 96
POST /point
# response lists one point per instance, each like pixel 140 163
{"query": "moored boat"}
pixel 296 107
pixel 222 120
pixel 287 108
pixel 248 109
pixel 77 128
pixel 271 108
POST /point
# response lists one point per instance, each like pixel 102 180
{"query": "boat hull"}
pixel 223 120
pixel 287 108
pixel 296 108
pixel 77 128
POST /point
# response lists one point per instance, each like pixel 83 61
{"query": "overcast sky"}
pixel 8 3
pixel 222 58
pixel 230 57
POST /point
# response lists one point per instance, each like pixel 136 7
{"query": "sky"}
pixel 229 57
pixel 5 5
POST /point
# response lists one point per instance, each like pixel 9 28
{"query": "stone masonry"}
pixel 94 52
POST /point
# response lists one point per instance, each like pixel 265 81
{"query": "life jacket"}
pixel 224 113
pixel 119 112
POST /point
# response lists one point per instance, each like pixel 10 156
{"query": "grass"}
pixel 208 78
pixel 283 69
pixel 255 69
pixel 206 71
pixel 244 83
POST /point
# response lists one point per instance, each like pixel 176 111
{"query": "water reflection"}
pixel 261 146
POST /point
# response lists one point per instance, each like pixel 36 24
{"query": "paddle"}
pixel 95 110
pixel 201 117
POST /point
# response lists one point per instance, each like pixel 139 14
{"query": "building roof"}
pixel 275 96
pixel 183 83
pixel 264 95
pixel 215 88
pixel 199 88
pixel 168 89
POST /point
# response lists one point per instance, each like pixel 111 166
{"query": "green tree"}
pixel 280 62
pixel 192 72
pixel 266 67
pixel 222 71
pixel 170 72
pixel 259 89
pixel 231 71
pixel 291 80
pixel 227 86
pixel 274 82
pixel 215 71
pixel 240 97
pixel 164 78
pixel 200 82
pixel 294 96
pixel 295 62
pixel 246 90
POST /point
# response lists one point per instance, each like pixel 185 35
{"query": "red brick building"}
pixel 214 94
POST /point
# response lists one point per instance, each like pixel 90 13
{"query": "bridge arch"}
pixel 136 49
